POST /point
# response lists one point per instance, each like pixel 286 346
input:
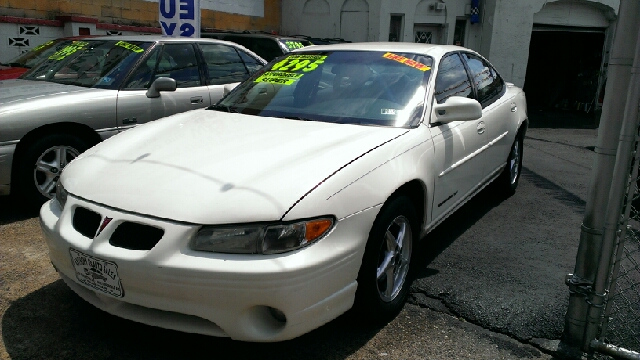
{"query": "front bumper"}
pixel 172 286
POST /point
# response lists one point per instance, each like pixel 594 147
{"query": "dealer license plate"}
pixel 97 273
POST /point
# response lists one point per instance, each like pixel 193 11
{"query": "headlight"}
pixel 61 194
pixel 261 238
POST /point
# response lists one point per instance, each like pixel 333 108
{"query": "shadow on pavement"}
pixel 439 239
pixel 11 209
pixel 54 323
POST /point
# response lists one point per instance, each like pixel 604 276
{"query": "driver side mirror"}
pixel 457 108
pixel 161 84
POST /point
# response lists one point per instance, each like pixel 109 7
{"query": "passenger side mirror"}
pixel 457 108
pixel 229 87
pixel 161 84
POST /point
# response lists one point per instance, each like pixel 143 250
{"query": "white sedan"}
pixel 301 194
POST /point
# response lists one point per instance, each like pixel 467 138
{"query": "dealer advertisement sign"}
pixel 180 18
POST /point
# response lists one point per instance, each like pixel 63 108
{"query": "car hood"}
pixel 209 167
pixel 17 91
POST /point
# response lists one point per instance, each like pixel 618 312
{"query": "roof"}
pixel 419 48
pixel 155 38
pixel 250 34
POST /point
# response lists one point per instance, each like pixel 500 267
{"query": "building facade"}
pixel 525 40
pixel 25 24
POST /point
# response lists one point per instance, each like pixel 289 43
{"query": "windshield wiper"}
pixel 225 108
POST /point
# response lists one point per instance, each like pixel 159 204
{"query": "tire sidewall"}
pixel 368 301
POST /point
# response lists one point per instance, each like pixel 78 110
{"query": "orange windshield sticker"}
pixel 406 61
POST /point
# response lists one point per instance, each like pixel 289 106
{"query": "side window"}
pixel 452 79
pixel 178 61
pixel 224 65
pixel 488 84
pixel 250 62
pixel 141 77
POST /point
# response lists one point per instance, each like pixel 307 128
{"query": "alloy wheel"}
pixel 49 166
pixel 394 258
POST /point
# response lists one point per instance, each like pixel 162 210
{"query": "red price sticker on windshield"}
pixel 406 61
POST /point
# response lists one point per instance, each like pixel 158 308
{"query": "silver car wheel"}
pixel 49 166
pixel 514 162
pixel 395 255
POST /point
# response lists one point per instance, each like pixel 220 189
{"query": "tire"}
pixel 42 163
pixel 379 299
pixel 508 180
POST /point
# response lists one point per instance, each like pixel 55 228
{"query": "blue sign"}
pixel 180 18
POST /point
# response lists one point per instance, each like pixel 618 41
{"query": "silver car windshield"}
pixel 355 87
pixel 90 63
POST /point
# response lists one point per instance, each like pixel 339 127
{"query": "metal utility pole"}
pixel 581 282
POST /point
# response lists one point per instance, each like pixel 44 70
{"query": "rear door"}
pixel 175 60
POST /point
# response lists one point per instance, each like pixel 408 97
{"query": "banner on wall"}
pixel 180 18
pixel 475 11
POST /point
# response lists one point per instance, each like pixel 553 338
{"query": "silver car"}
pixel 94 88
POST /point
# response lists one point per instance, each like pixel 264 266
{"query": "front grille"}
pixel 134 236
pixel 86 222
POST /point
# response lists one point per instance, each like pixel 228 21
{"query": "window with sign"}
pixel 362 87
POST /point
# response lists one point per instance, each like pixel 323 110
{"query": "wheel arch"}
pixel 416 191
pixel 81 131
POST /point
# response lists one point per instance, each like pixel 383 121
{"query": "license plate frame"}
pixel 99 274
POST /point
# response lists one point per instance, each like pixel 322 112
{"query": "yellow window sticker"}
pixel 278 77
pixel 292 45
pixel 68 50
pixel 295 63
pixel 406 61
pixel 130 46
pixel 40 47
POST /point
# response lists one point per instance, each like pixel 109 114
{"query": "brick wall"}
pixel 137 12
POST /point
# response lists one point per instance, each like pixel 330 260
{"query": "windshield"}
pixel 90 63
pixel 39 53
pixel 356 87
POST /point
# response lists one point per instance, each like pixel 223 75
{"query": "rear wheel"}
pixel 42 164
pixel 508 180
pixel 383 280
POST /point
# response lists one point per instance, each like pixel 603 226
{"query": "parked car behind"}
pixel 302 193
pixel 268 46
pixel 21 64
pixel 94 88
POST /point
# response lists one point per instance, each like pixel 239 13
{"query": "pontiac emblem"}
pixel 104 224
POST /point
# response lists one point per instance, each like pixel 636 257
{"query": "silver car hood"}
pixel 17 91
pixel 208 167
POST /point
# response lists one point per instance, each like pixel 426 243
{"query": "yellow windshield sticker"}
pixel 278 77
pixel 40 47
pixel 292 45
pixel 295 63
pixel 68 50
pixel 130 46
pixel 406 61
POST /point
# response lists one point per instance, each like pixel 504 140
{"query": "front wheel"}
pixel 383 280
pixel 42 164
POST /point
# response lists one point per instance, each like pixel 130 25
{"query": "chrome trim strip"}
pixel 8 143
pixel 361 211
pixel 472 155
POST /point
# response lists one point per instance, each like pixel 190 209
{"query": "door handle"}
pixel 514 107
pixel 481 127
pixel 197 100
pixel 126 121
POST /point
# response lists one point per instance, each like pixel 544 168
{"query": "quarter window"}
pixel 452 79
pixel 488 83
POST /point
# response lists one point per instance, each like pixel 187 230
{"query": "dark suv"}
pixel 268 46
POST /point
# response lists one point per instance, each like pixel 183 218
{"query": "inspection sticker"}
pixel 406 61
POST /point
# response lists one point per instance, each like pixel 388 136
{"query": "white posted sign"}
pixel 180 18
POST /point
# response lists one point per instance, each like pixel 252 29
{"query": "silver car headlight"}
pixel 261 238
pixel 61 194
